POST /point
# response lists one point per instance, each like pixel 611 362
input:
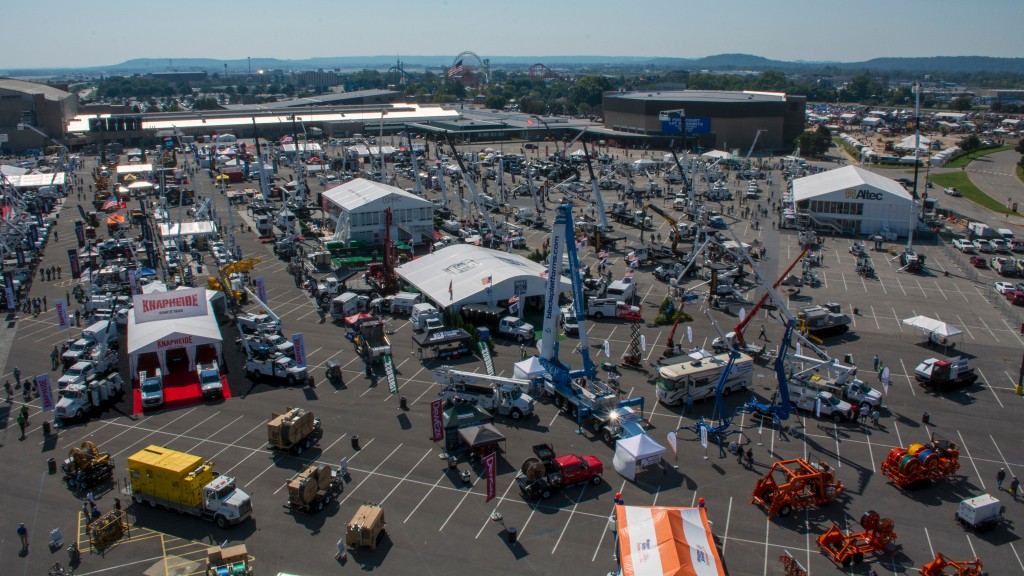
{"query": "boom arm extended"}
pixel 472 188
pixel 595 184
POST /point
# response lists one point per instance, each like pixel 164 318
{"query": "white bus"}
pixel 697 379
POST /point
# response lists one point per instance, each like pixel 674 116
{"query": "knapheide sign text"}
pixel 170 305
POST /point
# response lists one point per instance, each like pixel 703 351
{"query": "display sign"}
pixel 672 441
pixel 61 308
pixel 704 436
pixel 261 289
pixel 45 393
pixel 132 281
pixel 170 305
pixel 299 341
pixel 9 289
pixel 436 421
pixel 863 194
pixel 490 463
pixel 169 343
pixel 20 255
pixel 80 232
pixel 672 122
pixel 76 272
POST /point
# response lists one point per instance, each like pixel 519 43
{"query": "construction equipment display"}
pixel 107 529
pixel 546 474
pixel 790 566
pixel 187 484
pixel 295 430
pixel 366 527
pixel 792 484
pixel 846 549
pixel 228 561
pixel 313 488
pixel 980 513
pixel 921 463
pixel 940 567
pixel 86 467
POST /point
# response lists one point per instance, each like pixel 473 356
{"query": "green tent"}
pixel 463 415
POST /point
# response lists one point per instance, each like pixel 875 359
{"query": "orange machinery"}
pixel 790 567
pixel 849 549
pixel 793 484
pixel 922 462
pixel 938 567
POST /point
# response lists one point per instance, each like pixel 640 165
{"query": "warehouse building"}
pixel 357 208
pixel 46 108
pixel 466 274
pixel 853 201
pixel 713 118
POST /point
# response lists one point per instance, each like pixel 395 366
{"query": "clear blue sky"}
pixel 63 33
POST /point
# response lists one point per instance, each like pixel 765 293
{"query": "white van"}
pixel 620 290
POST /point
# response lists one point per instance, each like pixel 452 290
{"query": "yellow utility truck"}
pixel 187 484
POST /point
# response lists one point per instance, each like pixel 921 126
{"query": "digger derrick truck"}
pixel 792 484
pixel 294 431
pixel 921 463
pixel 86 466
pixel 313 488
pixel 546 474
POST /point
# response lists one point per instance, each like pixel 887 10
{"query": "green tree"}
pixel 970 143
pixel 242 89
pixel 495 102
pixel 815 143
pixel 589 90
pixel 962 103
pixel 206 103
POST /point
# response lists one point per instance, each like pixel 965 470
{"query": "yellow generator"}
pixel 169 475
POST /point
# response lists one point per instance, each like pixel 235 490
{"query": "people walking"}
pixel 876 362
pixel 763 335
pixel 864 411
pixel 21 425
pixel 1000 477
pixel 874 418
pixel 23 535
pixel 1014 486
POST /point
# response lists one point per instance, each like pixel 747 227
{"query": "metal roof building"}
pixel 466 274
pixel 852 200
pixel 358 206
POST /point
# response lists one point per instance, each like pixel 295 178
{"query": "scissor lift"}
pixel 848 549
pixel 793 484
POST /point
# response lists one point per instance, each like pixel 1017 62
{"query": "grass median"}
pixel 961 161
pixel 963 184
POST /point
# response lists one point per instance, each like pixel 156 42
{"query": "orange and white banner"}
pixel 666 541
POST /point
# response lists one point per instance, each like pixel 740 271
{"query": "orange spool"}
pixel 896 453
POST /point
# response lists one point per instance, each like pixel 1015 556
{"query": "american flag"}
pixel 543 273
pixel 456 69
pixel 486 280
pixel 451 292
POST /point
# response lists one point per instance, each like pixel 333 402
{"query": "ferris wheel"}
pixel 470 69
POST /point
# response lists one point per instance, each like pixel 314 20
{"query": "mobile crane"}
pixel 579 392
pixel 474 193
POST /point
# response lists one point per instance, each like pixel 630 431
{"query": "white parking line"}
pixel 990 388
pixel 910 381
pixel 371 473
pixel 1012 547
pixel 424 499
pixel 962 323
pixel 467 493
pixel 845 287
pixel 896 317
pixel 875 317
pixel 940 289
pixel 931 549
pixel 728 518
pixel 160 429
pixel 973 465
pixel 406 476
pixel 215 434
pixel 1013 331
pixel 994 337
pixel 569 519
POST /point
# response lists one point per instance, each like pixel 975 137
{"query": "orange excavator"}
pixel 941 566
pixel 846 549
pixel 791 484
pixel 920 463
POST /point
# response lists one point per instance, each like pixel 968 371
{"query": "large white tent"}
pixel 938 330
pixel 466 274
pixel 358 206
pixel 161 336
pixel 852 200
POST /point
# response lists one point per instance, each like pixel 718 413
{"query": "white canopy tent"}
pixel 635 453
pixel 527 369
pixel 204 228
pixel 37 180
pixel 161 336
pixel 933 328
pixel 713 155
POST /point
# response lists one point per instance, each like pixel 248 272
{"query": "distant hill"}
pixel 718 62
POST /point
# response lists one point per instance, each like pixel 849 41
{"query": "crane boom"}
pixel 753 311
pixel 472 188
pixel 415 165
pixel 595 185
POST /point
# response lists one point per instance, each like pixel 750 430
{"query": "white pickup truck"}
pixel 277 366
pixel 516 328
pixel 209 380
pixel 82 372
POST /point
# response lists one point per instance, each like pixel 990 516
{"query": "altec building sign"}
pixel 170 305
pixel 863 194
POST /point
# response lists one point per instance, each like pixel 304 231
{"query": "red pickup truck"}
pixel 542 476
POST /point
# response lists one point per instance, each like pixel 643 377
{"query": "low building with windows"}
pixel 358 209
pixel 853 201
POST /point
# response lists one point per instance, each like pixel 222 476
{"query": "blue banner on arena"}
pixel 673 124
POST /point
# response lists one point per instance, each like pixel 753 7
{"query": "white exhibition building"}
pixel 854 201
pixel 466 274
pixel 357 208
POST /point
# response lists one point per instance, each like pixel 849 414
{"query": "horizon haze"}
pixel 794 30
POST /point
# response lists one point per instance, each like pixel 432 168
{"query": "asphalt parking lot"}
pixel 438 524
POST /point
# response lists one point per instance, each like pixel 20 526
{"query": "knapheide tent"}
pixel 666 541
pixel 635 453
pixel 529 368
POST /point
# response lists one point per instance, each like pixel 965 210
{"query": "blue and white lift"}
pixel 592 403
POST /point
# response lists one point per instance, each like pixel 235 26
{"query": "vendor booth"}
pixel 528 369
pixel 443 344
pixel 667 541
pixel 635 454
pixel 459 417
pixel 173 330
pixel 481 440
pixel 937 332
